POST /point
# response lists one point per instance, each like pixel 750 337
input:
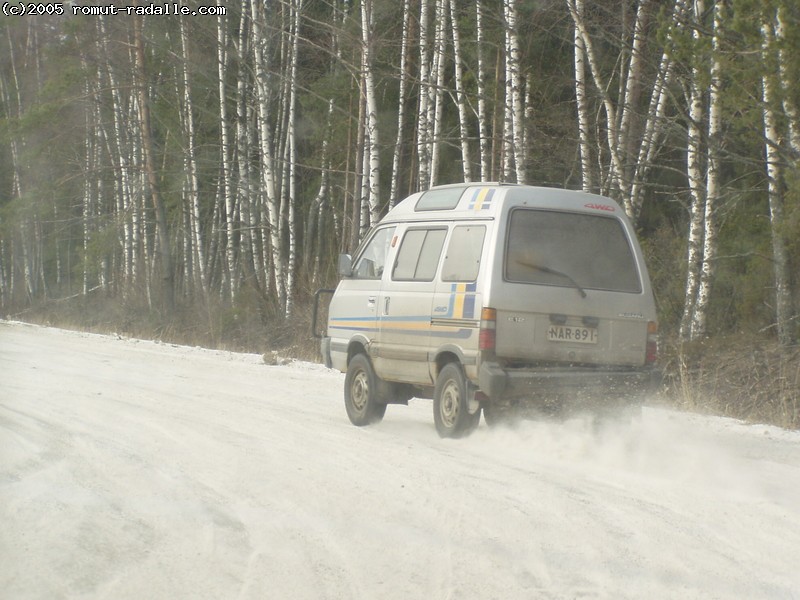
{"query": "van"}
pixel 496 299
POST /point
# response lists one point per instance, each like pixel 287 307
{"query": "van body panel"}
pixel 404 330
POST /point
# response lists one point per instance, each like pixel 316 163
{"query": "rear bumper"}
pixel 500 383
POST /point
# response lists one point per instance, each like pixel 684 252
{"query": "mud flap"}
pixel 473 403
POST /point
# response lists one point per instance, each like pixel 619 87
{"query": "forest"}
pixel 193 175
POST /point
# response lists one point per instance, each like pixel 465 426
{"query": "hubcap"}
pixel 450 404
pixel 359 391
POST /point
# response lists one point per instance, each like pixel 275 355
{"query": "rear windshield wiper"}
pixel 550 271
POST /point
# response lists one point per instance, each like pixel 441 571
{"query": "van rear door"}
pixel 573 290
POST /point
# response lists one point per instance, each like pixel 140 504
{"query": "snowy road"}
pixel 132 469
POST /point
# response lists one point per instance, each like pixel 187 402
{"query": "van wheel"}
pixel 361 393
pixel 450 411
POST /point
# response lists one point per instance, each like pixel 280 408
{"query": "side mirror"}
pixel 345 265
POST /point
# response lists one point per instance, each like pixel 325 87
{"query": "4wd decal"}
pixel 605 207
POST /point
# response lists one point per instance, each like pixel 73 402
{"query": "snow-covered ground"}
pixel 133 469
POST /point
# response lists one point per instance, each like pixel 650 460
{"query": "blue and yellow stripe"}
pixel 481 199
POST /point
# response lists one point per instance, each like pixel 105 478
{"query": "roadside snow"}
pixel 134 469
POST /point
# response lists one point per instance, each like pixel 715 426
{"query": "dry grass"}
pixel 755 380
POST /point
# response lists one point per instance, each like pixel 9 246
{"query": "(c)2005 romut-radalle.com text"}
pixel 20 9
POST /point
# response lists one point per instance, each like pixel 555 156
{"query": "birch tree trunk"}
pixel 788 98
pixel 226 186
pixel 615 175
pixel 784 318
pixel 198 254
pixel 291 265
pixel 630 143
pixel 371 132
pixel 654 125
pixel 484 144
pixel 162 231
pixel 401 105
pixel 423 120
pixel 268 178
pixel 436 107
pixel 712 191
pixel 243 147
pixel 694 172
pixel 507 152
pixel 631 92
pixel 515 86
pixel 461 98
pixel 12 96
pixel 582 106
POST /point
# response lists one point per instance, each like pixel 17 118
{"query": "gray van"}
pixel 498 299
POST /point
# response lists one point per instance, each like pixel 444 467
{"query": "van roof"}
pixel 488 199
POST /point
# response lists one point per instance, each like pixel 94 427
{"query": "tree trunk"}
pixel 784 318
pixel 437 96
pixel 226 196
pixel 514 86
pixel 162 231
pixel 423 125
pixel 268 179
pixel 461 98
pixel 371 131
pixel 694 172
pixel 401 106
pixel 198 254
pixel 483 118
pixel 582 107
pixel 712 193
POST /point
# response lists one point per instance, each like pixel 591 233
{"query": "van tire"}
pixel 450 407
pixel 361 393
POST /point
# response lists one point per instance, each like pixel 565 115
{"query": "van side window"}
pixel 372 260
pixel 418 257
pixel 463 257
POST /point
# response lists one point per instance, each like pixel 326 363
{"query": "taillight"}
pixel 651 352
pixel 487 338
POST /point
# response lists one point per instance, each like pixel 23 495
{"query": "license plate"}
pixel 567 333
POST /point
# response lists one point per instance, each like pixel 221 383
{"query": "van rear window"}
pixel 570 250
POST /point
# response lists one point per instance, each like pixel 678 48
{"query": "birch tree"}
pixel 484 145
pixel 514 89
pixel 402 94
pixel 461 98
pixel 227 185
pixel 192 192
pixel 788 100
pixel 437 98
pixel 423 132
pixel 694 172
pixel 626 144
pixel 582 106
pixel 372 138
pixel 162 230
pixel 268 174
pixel 785 320
pixel 712 184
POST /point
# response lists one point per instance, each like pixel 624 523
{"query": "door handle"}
pixel 386 305
pixel 371 301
